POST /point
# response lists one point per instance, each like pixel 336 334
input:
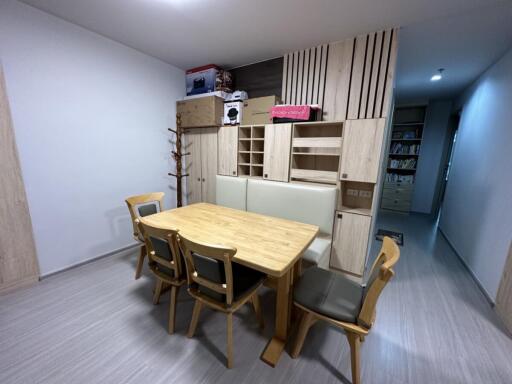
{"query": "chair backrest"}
pixel 379 276
pixel 144 205
pixel 209 270
pixel 310 204
pixel 162 248
pixel 231 192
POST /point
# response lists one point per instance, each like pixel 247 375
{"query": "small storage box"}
pixel 201 112
pixel 294 113
pixel 233 112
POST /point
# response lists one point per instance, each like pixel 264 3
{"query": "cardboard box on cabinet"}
pixel 201 112
pixel 257 110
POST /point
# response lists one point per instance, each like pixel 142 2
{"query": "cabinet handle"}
pixel 340 215
pixel 344 176
pixel 198 179
pixel 265 175
pixel 234 172
pixel 204 180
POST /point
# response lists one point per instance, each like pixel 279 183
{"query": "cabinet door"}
pixel 193 165
pixel 350 242
pixel 208 163
pixel 228 150
pixel 362 145
pixel 276 156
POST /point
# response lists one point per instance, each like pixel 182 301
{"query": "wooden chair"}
pixel 324 295
pixel 140 206
pixel 214 280
pixel 165 262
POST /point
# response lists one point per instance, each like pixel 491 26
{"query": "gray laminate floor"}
pixel 96 324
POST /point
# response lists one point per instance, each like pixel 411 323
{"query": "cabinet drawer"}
pixel 396 204
pixel 397 193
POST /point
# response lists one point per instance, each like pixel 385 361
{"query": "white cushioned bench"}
pixel 311 204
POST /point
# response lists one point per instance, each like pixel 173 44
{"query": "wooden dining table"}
pixel 268 244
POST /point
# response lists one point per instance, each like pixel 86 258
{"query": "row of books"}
pixel 402 163
pixel 408 149
pixel 406 134
pixel 396 178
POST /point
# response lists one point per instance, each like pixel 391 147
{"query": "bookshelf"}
pixel 403 157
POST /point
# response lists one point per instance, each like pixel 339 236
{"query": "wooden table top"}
pixel 265 243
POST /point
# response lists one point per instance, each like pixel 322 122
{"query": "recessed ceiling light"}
pixel 438 76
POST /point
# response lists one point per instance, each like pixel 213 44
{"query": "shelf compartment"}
pixel 257 158
pixel 257 170
pixel 312 175
pixel 356 197
pixel 258 132
pixel 257 146
pixel 244 158
pixel 244 145
pixel 244 170
pixel 244 132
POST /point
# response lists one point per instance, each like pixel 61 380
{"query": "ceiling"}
pixel 436 33
pixel 464 45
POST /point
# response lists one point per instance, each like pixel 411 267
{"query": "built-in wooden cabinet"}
pixel 350 242
pixel 227 150
pixel 201 164
pixel 251 143
pixel 362 146
pixel 276 156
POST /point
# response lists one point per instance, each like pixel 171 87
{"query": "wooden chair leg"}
pixel 158 291
pixel 305 324
pixel 255 300
pixel 172 308
pixel 354 340
pixel 140 262
pixel 230 340
pixel 195 318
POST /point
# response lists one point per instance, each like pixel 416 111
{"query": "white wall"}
pixel 431 155
pixel 90 118
pixel 477 209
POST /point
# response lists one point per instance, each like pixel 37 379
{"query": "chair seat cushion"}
pixel 329 294
pixel 318 252
pixel 244 278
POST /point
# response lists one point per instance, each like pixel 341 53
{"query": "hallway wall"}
pixel 476 214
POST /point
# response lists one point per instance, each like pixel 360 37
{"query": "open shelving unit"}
pixel 403 157
pixel 316 151
pixel 251 141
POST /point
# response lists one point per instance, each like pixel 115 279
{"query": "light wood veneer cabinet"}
pixel 350 242
pixel 276 156
pixel 201 164
pixel 227 150
pixel 362 146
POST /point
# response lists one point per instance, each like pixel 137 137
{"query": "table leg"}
pixel 275 346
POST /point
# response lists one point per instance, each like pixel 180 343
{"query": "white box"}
pixel 233 112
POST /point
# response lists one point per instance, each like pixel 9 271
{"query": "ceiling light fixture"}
pixel 438 76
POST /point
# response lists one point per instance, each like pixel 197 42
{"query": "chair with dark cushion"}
pixel 335 298
pixel 214 280
pixel 165 262
pixel 141 206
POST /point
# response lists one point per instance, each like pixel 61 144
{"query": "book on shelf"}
pixel 404 149
pixel 402 163
pixel 397 178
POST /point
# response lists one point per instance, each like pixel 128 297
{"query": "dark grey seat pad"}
pixel 244 278
pixel 329 294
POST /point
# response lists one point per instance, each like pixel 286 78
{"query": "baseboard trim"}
pixel 95 258
pixel 464 263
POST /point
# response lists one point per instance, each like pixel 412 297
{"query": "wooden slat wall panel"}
pixel 356 80
pixel 18 261
pixel 350 79
pixel 304 76
pixel 375 75
pixel 367 74
pixel 390 73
